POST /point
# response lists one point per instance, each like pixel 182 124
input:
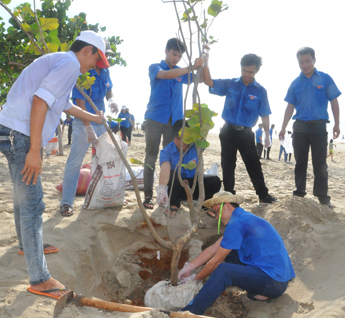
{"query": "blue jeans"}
pixel 28 206
pixel 281 149
pixel 75 159
pixel 234 273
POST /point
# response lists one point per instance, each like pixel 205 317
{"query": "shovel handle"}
pixel 101 304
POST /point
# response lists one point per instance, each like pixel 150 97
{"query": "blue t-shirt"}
pixel 166 95
pixel 112 124
pixel 132 117
pixel 258 244
pixel 258 133
pixel 125 119
pixel 99 90
pixel 243 104
pixel 310 96
pixel 171 154
pixel 68 123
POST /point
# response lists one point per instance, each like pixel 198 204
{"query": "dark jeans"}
pixel 305 135
pixel 211 185
pixel 234 273
pixel 153 133
pixel 259 148
pixel 129 133
pixel 69 134
pixel 124 131
pixel 242 140
pixel 268 152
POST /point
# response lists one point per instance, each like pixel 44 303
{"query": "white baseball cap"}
pixel 123 107
pixel 96 40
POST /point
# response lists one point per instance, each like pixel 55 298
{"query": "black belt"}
pixel 314 122
pixel 239 127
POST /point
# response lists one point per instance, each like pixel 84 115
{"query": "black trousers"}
pixel 308 135
pixel 211 184
pixel 242 140
pixel 129 133
pixel 259 148
pixel 124 131
pixel 154 130
pixel 69 134
pixel 268 152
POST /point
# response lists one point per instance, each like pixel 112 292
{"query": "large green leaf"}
pixel 64 47
pixel 26 27
pixel 6 1
pixel 190 165
pixel 49 24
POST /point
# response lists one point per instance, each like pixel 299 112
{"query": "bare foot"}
pixel 51 283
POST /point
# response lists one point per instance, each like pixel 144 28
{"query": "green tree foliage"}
pixel 17 43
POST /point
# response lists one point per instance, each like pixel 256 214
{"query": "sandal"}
pixel 45 251
pixel 66 210
pixel 172 212
pixel 147 202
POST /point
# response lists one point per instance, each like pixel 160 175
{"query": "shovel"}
pixel 80 301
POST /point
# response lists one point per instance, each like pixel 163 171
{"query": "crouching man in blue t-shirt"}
pixel 169 158
pixel 251 255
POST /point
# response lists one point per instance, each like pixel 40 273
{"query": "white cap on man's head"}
pixel 123 107
pixel 96 40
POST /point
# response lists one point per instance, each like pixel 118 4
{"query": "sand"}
pixel 95 246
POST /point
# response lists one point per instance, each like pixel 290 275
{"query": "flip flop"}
pixel 251 296
pixel 45 245
pixel 172 214
pixel 148 201
pixel 47 292
pixel 66 210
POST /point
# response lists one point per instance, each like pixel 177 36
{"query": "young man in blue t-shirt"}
pixel 164 108
pixel 251 255
pixel 309 95
pixel 245 101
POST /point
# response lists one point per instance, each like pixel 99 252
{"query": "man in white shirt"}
pixel 28 121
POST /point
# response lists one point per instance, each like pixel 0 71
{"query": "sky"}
pixel 272 29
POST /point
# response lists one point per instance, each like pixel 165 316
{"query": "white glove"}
pixel 189 279
pixel 186 271
pixel 162 195
pixel 113 106
pixel 90 134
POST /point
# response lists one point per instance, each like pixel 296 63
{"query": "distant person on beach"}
pixel 309 95
pixel 131 125
pixel 330 148
pixel 28 121
pixel 84 132
pixel 169 158
pixel 68 122
pixel 258 139
pixel 269 148
pixel 165 107
pixel 124 124
pixel 250 255
pixel 245 101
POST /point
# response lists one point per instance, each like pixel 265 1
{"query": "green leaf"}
pixel 6 1
pixel 49 24
pixel 27 9
pixel 64 47
pixel 53 48
pixel 190 165
pixel 190 113
pixel 26 27
pixel 136 161
pixel 202 143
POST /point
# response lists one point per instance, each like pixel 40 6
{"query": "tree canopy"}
pixel 23 40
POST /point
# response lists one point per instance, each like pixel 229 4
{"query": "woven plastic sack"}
pixel 163 295
pixel 139 176
pixel 107 187
pixel 52 147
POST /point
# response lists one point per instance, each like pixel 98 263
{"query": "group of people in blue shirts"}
pixel 251 247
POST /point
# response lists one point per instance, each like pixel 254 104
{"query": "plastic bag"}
pixel 139 175
pixel 163 295
pixel 214 170
pixel 52 147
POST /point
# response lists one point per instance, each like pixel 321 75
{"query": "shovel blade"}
pixel 62 302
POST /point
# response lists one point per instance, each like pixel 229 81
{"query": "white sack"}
pixel 163 295
pixel 139 175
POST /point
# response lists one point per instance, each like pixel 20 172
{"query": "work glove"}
pixel 162 195
pixel 113 106
pixel 90 134
pixel 186 271
pixel 189 279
